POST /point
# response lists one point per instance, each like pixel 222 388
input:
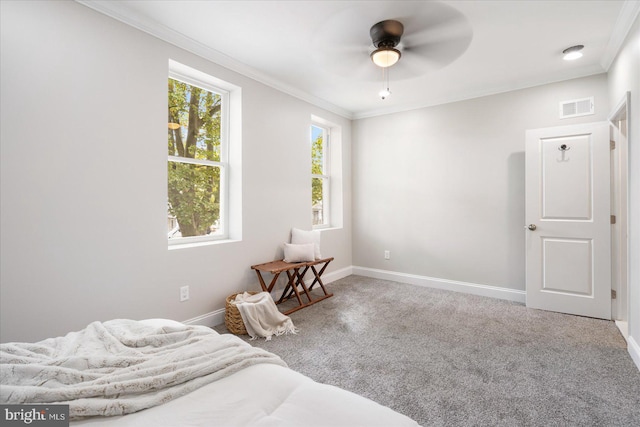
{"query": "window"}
pixel 320 183
pixel 198 117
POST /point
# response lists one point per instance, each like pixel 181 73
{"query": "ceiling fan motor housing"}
pixel 386 33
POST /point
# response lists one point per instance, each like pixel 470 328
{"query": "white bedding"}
pixel 121 366
pixel 259 395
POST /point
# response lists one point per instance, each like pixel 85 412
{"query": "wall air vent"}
pixel 576 108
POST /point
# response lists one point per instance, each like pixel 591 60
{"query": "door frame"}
pixel 619 130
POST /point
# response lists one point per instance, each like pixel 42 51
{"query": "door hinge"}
pixel 613 219
pixel 612 145
pixel 613 294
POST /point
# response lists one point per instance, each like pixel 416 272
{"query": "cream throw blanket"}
pixel 261 316
pixel 121 366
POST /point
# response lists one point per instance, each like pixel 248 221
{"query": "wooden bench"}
pixel 295 273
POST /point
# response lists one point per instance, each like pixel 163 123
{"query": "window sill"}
pixel 326 228
pixel 198 244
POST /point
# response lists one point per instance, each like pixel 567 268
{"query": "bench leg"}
pixel 293 278
pixel 263 285
pixel 317 277
pixel 300 281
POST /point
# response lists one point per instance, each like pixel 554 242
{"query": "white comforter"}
pixel 121 366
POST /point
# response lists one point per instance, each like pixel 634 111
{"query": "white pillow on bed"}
pixel 298 253
pixel 302 236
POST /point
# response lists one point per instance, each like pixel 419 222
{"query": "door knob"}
pixel 532 227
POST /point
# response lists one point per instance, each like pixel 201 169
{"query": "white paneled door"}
pixel 568 220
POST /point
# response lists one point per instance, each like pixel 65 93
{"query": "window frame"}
pixel 209 83
pixel 325 176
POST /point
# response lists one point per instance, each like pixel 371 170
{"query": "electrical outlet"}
pixel 184 293
pixel 387 255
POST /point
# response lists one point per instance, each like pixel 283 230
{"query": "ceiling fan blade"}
pixel 348 61
pixel 441 53
pixel 439 34
pixel 434 46
pixel 435 20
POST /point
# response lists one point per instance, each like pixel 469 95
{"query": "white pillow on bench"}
pixel 298 253
pixel 302 236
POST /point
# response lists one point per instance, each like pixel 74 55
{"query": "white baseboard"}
pixel 210 319
pixel 337 275
pixel 623 327
pixel 634 351
pixel 449 285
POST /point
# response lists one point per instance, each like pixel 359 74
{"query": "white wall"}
pixel 83 184
pixel 624 75
pixel 442 188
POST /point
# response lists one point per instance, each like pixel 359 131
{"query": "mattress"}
pixel 262 395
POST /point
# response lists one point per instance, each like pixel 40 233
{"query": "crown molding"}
pixel 626 18
pixel 587 72
pixel 120 12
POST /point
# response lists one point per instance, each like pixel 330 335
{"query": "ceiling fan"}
pixel 385 36
pixel 426 35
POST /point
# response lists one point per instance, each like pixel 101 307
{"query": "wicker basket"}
pixel 232 318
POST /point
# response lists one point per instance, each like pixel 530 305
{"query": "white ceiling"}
pixel 452 50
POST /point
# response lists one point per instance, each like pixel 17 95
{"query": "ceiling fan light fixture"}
pixel 385 56
pixel 572 52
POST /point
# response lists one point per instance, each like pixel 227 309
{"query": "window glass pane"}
pixel 194 199
pixel 317 196
pixel 317 150
pixel 194 122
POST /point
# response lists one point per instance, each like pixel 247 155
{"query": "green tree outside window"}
pixel 194 153
pixel 319 175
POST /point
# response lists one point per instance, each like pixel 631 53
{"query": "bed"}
pixel 162 373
